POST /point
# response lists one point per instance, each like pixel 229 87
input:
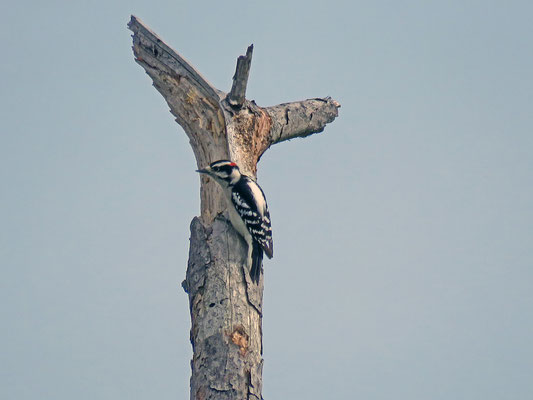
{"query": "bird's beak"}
pixel 202 171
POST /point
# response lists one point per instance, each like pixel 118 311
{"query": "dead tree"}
pixel 225 305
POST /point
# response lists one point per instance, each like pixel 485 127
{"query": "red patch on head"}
pixel 232 164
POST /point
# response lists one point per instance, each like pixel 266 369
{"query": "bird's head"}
pixel 224 172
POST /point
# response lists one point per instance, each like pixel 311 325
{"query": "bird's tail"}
pixel 257 261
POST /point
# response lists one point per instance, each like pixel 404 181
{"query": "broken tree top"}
pixel 221 125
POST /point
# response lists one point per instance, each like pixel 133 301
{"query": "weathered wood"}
pixel 167 56
pixel 226 307
pixel 226 330
pixel 301 118
pixel 237 95
pixel 192 100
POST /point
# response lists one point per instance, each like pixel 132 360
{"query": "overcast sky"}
pixel 403 232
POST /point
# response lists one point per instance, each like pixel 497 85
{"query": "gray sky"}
pixel 403 233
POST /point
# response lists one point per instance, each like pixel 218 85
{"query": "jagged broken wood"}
pixel 237 94
pixel 226 307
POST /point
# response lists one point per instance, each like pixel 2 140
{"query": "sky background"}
pixel 403 232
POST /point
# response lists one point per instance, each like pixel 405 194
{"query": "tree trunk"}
pixel 225 305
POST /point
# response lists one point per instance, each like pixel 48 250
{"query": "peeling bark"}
pixel 225 305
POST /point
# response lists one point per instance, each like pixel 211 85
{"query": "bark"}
pixel 226 307
pixel 301 118
pixel 226 316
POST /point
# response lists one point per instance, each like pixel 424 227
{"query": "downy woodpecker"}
pixel 248 211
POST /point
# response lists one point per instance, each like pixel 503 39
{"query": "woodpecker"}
pixel 248 211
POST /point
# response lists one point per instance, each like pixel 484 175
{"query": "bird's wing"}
pixel 254 214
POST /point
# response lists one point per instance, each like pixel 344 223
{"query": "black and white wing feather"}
pixel 250 203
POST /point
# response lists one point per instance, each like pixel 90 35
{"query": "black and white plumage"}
pixel 248 211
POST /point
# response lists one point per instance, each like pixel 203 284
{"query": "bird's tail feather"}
pixel 257 261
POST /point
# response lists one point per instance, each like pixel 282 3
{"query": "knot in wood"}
pixel 240 338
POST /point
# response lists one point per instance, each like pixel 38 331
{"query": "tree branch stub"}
pixel 301 118
pixel 237 95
